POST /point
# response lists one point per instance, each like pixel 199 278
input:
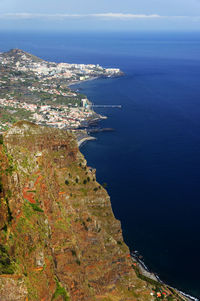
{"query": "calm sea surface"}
pixel 151 162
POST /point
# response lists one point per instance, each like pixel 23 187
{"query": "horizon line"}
pixel 107 16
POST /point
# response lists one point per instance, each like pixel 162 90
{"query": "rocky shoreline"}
pixel 76 82
pixel 138 264
pixel 143 271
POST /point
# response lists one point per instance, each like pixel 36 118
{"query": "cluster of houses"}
pixel 41 68
pixel 59 116
pixel 52 91
pixel 48 78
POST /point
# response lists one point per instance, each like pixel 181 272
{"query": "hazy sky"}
pixel 109 15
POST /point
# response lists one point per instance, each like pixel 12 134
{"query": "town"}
pixel 39 91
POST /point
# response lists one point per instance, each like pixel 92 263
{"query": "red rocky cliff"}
pixel 59 239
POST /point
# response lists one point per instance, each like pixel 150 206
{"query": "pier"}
pixel 106 106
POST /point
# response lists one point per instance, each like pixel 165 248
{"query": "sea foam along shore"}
pixel 144 271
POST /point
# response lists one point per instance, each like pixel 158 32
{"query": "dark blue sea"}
pixel 151 162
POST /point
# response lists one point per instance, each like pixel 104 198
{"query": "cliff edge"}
pixel 59 239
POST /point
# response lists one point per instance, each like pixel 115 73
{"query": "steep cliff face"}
pixel 59 239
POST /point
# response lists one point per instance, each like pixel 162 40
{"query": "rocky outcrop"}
pixel 59 239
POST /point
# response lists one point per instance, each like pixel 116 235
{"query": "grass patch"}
pixel 36 207
pixel 60 291
pixel 27 210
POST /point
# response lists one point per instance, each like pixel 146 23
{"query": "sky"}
pixel 100 15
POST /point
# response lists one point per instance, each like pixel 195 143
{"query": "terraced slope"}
pixel 59 239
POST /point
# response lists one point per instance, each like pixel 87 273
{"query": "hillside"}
pixel 18 54
pixel 59 239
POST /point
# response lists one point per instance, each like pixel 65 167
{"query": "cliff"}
pixel 59 239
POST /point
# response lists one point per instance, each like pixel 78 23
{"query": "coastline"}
pixel 143 272
pixel 94 78
pixel 83 81
pixel 95 118
pixel 85 139
pixel 139 266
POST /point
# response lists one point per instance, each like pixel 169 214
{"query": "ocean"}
pixel 151 161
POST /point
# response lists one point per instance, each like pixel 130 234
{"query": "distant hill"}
pixel 18 54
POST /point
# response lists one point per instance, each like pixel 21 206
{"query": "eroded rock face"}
pixel 59 236
pixel 12 289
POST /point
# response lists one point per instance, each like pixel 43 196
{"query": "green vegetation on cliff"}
pixel 59 237
pixel 60 291
pixel 6 266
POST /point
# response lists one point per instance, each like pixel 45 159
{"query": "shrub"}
pixel 6 266
pixel 73 252
pixel 85 226
pixel 60 291
pixel 78 261
pixel 36 207
pixel 1 185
